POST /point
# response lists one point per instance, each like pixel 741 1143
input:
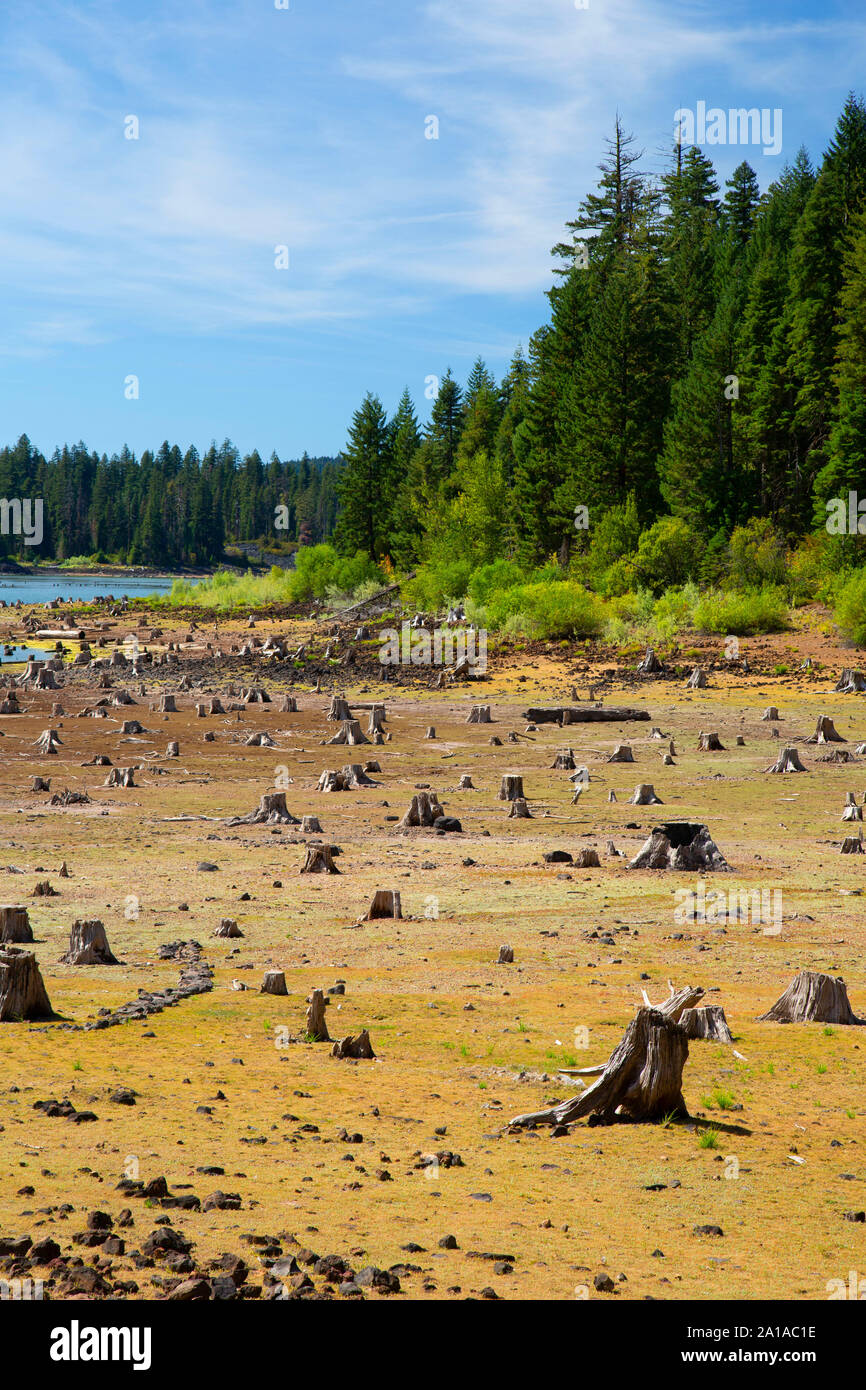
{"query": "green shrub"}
pixel 435 584
pixel 668 554
pixel 757 555
pixel 501 574
pixel 850 607
pixel 548 610
pixel 741 613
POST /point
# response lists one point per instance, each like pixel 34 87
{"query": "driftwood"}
pixel 710 743
pixel 319 859
pixel 22 990
pixel 15 928
pixel 511 788
pixel 88 945
pixel 644 795
pixel 386 903
pixel 681 845
pixel 787 761
pixel 812 997
pixel 584 715
pixel 708 1023
pixel 274 982
pixel 317 1028
pixel 272 811
pixel 358 1047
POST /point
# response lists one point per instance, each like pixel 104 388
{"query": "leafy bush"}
pixel 501 574
pixel 614 538
pixel 742 613
pixel 850 607
pixel 757 555
pixel 564 609
pixel 668 554
pixel 435 584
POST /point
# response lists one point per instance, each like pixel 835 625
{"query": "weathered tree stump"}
pixel 10 704
pixel 339 710
pixel 852 844
pixel 812 997
pixel 667 760
pixel 120 777
pixel 611 796
pixel 852 811
pixel 564 760
pixel 88 945
pixel 63 871
pixel 349 733
pixel 708 1023
pixel 587 859
pixel 22 990
pixel 358 1047
pixel 518 810
pixel 431 732
pixel 132 726
pixel 260 740
pixel 310 825
pixel 41 784
pixel 255 695
pixel 272 811
pixel 228 927
pixel 697 680
pixel 385 904
pixel 710 743
pixel 354 776
pixel 851 682
pixel 495 741
pixel 274 982
pixel 289 705
pixel 506 955
pixel 465 784
pixel 681 845
pixel 479 714
pixel 49 741
pixel 787 761
pixel 173 749
pixel 656 732
pixel 317 1028
pixel 621 754
pixel 122 697
pixel 423 810
pixel 825 731
pixel 770 715
pixel 319 860
pixel 166 704
pixel 15 928
pixel 644 795
pixel 511 788
pixel 650 665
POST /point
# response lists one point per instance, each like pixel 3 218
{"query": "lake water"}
pixel 80 588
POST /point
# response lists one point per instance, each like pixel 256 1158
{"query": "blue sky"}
pixel 305 127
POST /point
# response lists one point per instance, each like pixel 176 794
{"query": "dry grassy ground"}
pixel 565 1209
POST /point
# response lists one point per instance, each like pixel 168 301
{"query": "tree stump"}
pixel 49 741
pixel 228 927
pixel 852 811
pixel 339 710
pixel 564 760
pixel 708 1023
pixel 787 761
pixel 710 743
pixel 122 697
pixel 63 871
pixel 354 776
pixel 812 997
pixel 88 945
pixel 261 740
pixel 423 810
pixel 697 680
pixel 511 788
pixel 667 760
pixel 120 777
pixel 431 732
pixel 166 705
pixel 41 784
pixel 587 859
pixel 851 682
pixel 272 811
pixel 132 726
pixel 358 1047
pixel 681 845
pixel 349 733
pixel 22 990
pixel 465 784
pixel 173 749
pixel 274 982
pixel 621 754
pixel 650 664
pixel 852 844
pixel 386 903
pixel 376 724
pixel 518 810
pixel 209 736
pixel 643 1078
pixel 644 795
pixel 10 705
pixel 825 731
pixel 495 741
pixel 479 714
pixel 15 926
pixel 289 705
pixel 255 695
pixel 317 1028
pixel 310 825
pixel 506 955
pixel 319 860
pixel 770 715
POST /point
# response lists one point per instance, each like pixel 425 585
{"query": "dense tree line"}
pixel 705 358
pixel 166 508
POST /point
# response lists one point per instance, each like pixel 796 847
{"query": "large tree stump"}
pixel 423 810
pixel 349 733
pixel 358 1047
pixel 319 860
pixel 644 795
pixel 310 825
pixel 354 776
pixel 708 1023
pixel 852 811
pixel 479 714
pixel 564 760
pixel 274 982
pixel 260 740
pixel 851 682
pixel 787 761
pixel 49 741
pixel 643 1079
pixel 166 704
pixel 710 743
pixel 120 777
pixel 132 726
pixel 41 784
pixel 22 990
pixel 272 811
pixel 770 715
pixel 812 997
pixel 518 809
pixel 506 955
pixel 511 788
pixel 680 845
pixel 339 710
pixel 88 945
pixel 386 903
pixel 317 1028
pixel 228 927
pixel 697 680
pixel 852 844
pixel 15 928
pixel 825 731
pixel 621 754
pixel 465 784
pixel 650 665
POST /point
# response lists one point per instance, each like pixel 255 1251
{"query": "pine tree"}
pixel 363 520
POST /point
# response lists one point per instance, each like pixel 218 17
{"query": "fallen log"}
pixel 583 714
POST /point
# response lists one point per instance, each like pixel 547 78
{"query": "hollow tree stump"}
pixel 88 945
pixel 22 989
pixel 15 928
pixel 358 1047
pixel 317 1028
pixel 274 982
pixel 386 903
pixel 812 997
pixel 319 860
pixel 511 788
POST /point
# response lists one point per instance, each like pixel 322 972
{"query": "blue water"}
pixel 77 588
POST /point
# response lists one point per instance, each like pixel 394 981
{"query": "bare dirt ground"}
pixel 462 1044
